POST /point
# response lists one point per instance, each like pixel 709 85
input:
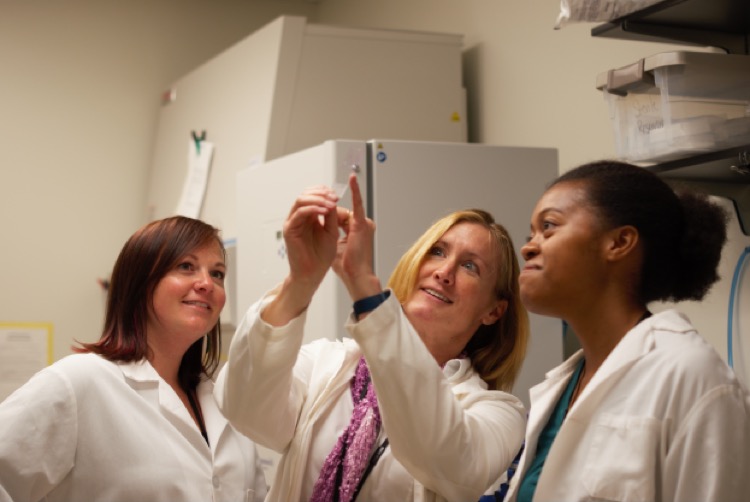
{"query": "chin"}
pixel 533 305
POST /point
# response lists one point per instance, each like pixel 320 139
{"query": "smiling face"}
pixel 187 301
pixel 455 289
pixel 564 259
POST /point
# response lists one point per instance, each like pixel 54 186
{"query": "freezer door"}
pixel 265 194
pixel 412 184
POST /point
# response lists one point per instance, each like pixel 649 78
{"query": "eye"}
pixel 185 265
pixel 548 225
pixel 471 266
pixel 436 251
pixel 218 274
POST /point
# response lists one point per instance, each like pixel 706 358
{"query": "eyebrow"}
pixel 544 212
pixel 219 263
pixel 470 254
pixel 549 210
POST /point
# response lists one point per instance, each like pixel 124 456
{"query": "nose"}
pixel 529 250
pixel 204 281
pixel 444 273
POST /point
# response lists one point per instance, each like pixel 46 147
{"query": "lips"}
pixel 198 304
pixel 437 294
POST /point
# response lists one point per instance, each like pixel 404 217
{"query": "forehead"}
pixel 212 250
pixel 471 238
pixel 563 197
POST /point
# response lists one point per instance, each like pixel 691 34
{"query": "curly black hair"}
pixel 683 231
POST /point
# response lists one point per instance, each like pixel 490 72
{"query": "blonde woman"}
pixel 416 404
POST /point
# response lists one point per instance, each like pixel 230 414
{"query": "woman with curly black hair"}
pixel 646 410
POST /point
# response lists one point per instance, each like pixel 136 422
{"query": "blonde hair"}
pixel 496 351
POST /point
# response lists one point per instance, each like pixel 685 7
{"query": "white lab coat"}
pixel 89 429
pixel 450 437
pixel 663 419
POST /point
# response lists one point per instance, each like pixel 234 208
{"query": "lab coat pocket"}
pixel 250 496
pixel 622 460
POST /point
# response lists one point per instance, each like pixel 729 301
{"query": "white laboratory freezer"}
pixel 407 185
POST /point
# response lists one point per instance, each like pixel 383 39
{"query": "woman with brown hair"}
pixel 132 416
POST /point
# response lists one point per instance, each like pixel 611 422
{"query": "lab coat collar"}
pixel 638 342
pixel 463 378
pixel 634 345
pixel 457 368
pixel 139 371
pixel 144 379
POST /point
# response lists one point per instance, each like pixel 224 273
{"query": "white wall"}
pixel 529 85
pixel 79 88
pixel 80 82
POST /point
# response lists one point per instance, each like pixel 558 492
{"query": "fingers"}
pixel 317 201
pixel 319 196
pixel 344 217
pixel 322 201
pixel 358 208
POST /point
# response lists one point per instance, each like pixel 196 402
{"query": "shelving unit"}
pixel 717 23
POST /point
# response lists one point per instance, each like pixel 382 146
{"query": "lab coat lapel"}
pixel 175 411
pixel 544 397
pixel 216 423
pixel 634 345
pixel 143 379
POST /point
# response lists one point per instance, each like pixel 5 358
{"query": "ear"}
pixel 496 313
pixel 622 242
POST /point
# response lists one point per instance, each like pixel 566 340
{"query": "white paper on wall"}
pixel 200 154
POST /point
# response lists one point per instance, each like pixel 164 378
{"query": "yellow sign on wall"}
pixel 25 348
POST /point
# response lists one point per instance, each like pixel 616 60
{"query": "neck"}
pixel 167 367
pixel 443 353
pixel 599 335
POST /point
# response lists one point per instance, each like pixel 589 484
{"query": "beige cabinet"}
pixel 291 85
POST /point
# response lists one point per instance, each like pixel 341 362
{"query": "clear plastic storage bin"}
pixel 677 104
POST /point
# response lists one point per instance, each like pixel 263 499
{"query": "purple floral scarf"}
pixel 347 462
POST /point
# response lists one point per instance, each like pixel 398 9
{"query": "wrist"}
pixel 369 303
pixel 291 300
pixel 363 285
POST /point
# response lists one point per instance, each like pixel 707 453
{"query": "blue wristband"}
pixel 370 303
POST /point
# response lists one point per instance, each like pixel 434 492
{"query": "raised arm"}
pixel 450 433
pixel 262 387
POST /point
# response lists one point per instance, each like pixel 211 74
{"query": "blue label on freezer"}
pixel 381 156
